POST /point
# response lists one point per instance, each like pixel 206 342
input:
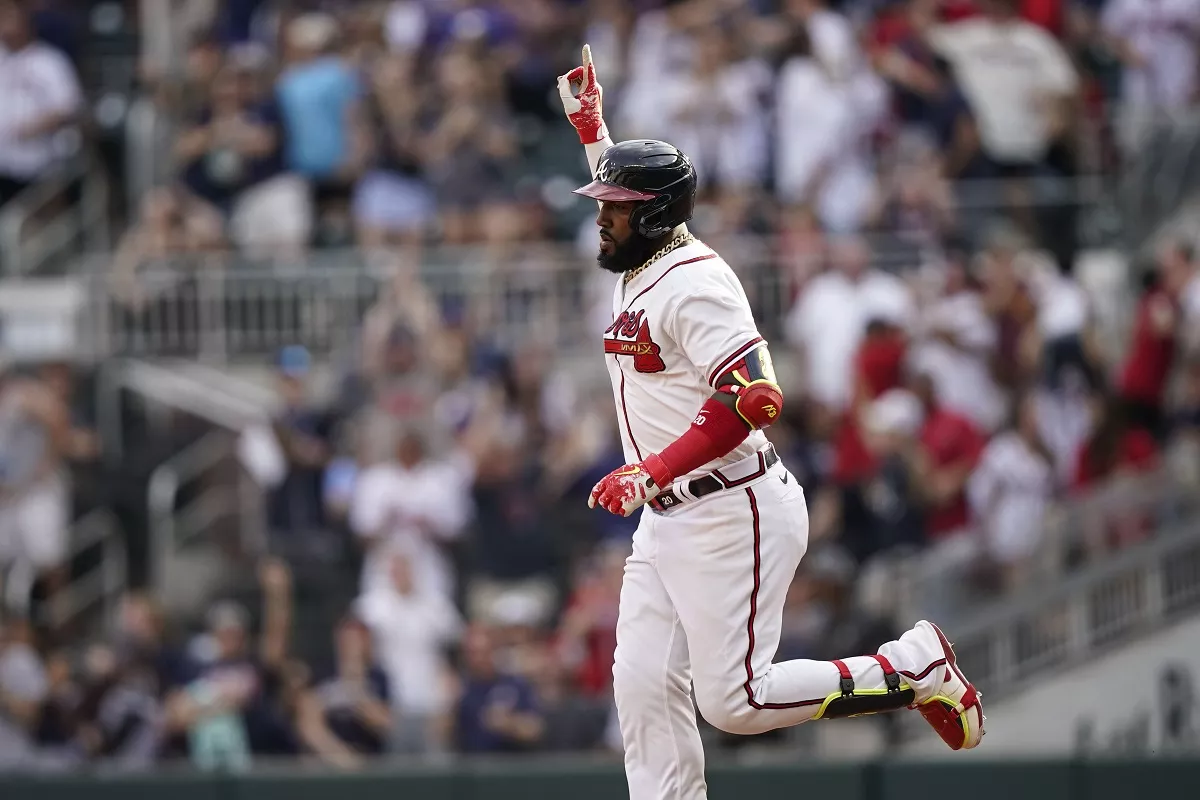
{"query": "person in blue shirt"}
pixel 318 96
pixel 498 712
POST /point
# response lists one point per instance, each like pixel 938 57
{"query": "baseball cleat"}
pixel 954 710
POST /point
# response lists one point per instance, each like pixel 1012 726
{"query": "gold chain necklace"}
pixel 675 244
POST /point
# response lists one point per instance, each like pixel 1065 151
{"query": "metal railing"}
pixel 103 578
pixel 217 308
pixel 1076 532
pixel 1064 622
pixel 29 240
pixel 174 527
pixel 217 491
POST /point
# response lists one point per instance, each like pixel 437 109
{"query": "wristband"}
pixel 716 430
pixel 589 134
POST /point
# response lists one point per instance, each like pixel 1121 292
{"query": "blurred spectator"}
pixel 393 203
pixel 926 95
pixel 825 162
pixel 1185 425
pixel 184 96
pixel 415 506
pixel 42 98
pixel 288 457
pixel 23 688
pixel 715 114
pixel 958 347
pixel 412 630
pixel 1159 46
pixel 1010 493
pixel 572 721
pixel 951 446
pixel 230 159
pixel 609 32
pixel 497 711
pixel 587 634
pixel 515 548
pixel 347 715
pixel 320 103
pixel 914 201
pixel 227 705
pixel 1142 384
pixel 1179 257
pixel 1010 304
pixel 81 447
pixel 831 316
pixel 882 506
pixel 117 709
pixel 35 503
pixel 468 146
pixel 660 49
pixel 171 222
pixel 1019 81
pixel 318 98
pixel 1117 450
pixel 401 388
pixel 1022 88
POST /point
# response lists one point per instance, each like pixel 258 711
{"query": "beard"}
pixel 627 255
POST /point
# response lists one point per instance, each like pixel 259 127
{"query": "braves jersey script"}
pixel 677 326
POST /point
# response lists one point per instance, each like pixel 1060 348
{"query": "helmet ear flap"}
pixel 648 219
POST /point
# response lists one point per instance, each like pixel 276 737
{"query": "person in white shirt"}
pixel 1158 41
pixel 415 506
pixel 829 319
pixel 1178 256
pixel 715 113
pixel 1018 80
pixel 822 125
pixel 957 342
pixel 660 52
pixel 1009 493
pixel 411 630
pixel 41 97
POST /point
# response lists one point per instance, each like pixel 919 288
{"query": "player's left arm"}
pixel 716 331
pixel 583 102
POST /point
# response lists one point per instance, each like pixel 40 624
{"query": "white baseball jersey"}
pixel 676 327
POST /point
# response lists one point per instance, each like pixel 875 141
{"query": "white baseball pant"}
pixel 702 605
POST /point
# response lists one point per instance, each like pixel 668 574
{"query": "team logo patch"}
pixel 630 336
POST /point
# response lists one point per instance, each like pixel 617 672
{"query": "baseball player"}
pixel 703 592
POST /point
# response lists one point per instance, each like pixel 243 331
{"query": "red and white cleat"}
pixel 954 710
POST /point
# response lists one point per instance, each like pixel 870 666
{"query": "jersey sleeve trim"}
pixel 733 359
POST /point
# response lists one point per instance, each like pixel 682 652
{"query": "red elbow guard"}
pixel 715 431
pixel 759 403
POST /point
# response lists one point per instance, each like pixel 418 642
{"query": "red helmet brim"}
pixel 615 194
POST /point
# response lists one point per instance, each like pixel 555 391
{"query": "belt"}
pixel 715 481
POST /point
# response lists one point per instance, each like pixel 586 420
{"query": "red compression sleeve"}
pixel 716 430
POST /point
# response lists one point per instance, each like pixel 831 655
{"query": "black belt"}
pixel 714 482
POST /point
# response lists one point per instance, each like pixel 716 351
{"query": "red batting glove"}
pixel 627 489
pixel 582 98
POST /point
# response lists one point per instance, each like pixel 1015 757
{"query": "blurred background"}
pixel 301 392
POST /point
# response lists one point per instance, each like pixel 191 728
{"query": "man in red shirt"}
pixel 1147 368
pixel 951 446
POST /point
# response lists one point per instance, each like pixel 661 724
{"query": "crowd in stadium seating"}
pixel 942 408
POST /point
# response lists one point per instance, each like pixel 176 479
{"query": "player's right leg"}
pixel 664 759
pixel 732 559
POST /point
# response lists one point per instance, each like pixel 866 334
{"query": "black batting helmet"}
pixel 656 174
